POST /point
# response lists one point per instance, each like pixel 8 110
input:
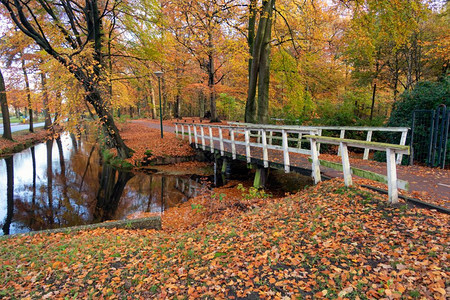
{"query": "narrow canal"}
pixel 63 183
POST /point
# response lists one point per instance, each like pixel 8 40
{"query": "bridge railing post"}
pixel 202 131
pixel 299 140
pixel 346 164
pixel 367 150
pixel 265 152
pixel 211 139
pixel 182 131
pixel 392 176
pixel 222 149
pixel 341 135
pixel 195 136
pixel 315 160
pixel 247 145
pixel 285 151
pixel 233 144
pixel 402 142
pixel 176 129
pixel 189 133
pixel 318 144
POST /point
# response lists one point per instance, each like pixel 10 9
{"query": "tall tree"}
pixel 257 109
pixel 28 91
pixel 5 110
pixel 71 32
pixel 198 27
pixel 382 42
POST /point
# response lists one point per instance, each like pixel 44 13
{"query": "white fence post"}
pixel 392 176
pixel 287 168
pixel 270 137
pixel 203 137
pixel 182 131
pixel 346 164
pixel 189 132
pixel 299 141
pixel 368 139
pixel 315 161
pixel 247 145
pixel 341 136
pixel 319 132
pixel 176 129
pixel 211 139
pixel 233 144
pixel 222 150
pixel 195 136
pixel 265 152
pixel 402 142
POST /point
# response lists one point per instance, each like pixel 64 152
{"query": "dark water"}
pixel 62 183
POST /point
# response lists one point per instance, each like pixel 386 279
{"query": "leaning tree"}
pixel 71 31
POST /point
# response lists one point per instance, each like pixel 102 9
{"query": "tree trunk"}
pixel 264 73
pixel 164 96
pixel 377 67
pixel 373 100
pixel 211 80
pixel 200 104
pixel 109 127
pixel 178 96
pixel 252 10
pixel 48 121
pixel 5 111
pixel 152 98
pixel 251 113
pixel 50 214
pixel 27 89
pixel 409 73
pixel 396 71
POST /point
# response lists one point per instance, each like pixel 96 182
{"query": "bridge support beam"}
pixel 260 178
pixel 224 166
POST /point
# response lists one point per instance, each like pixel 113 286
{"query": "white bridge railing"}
pixel 262 136
pixel 342 131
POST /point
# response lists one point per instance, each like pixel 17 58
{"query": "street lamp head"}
pixel 158 74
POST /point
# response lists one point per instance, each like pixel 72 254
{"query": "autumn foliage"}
pixel 328 241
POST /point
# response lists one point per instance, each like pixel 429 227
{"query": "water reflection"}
pixel 9 195
pixel 62 183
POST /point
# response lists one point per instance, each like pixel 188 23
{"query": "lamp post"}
pixel 159 74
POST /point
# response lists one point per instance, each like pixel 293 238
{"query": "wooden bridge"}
pixel 274 146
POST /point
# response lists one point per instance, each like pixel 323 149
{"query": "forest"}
pixel 347 62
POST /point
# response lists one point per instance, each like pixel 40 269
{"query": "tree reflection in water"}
pixel 9 194
pixel 58 184
pixel 110 192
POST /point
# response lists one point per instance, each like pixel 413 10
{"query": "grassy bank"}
pixel 22 140
pixel 329 242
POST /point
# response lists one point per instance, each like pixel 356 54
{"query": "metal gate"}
pixel 429 137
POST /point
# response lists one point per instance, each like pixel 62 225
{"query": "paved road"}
pixel 18 127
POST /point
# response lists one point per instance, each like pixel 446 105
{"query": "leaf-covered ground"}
pixel 326 242
pixel 141 139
